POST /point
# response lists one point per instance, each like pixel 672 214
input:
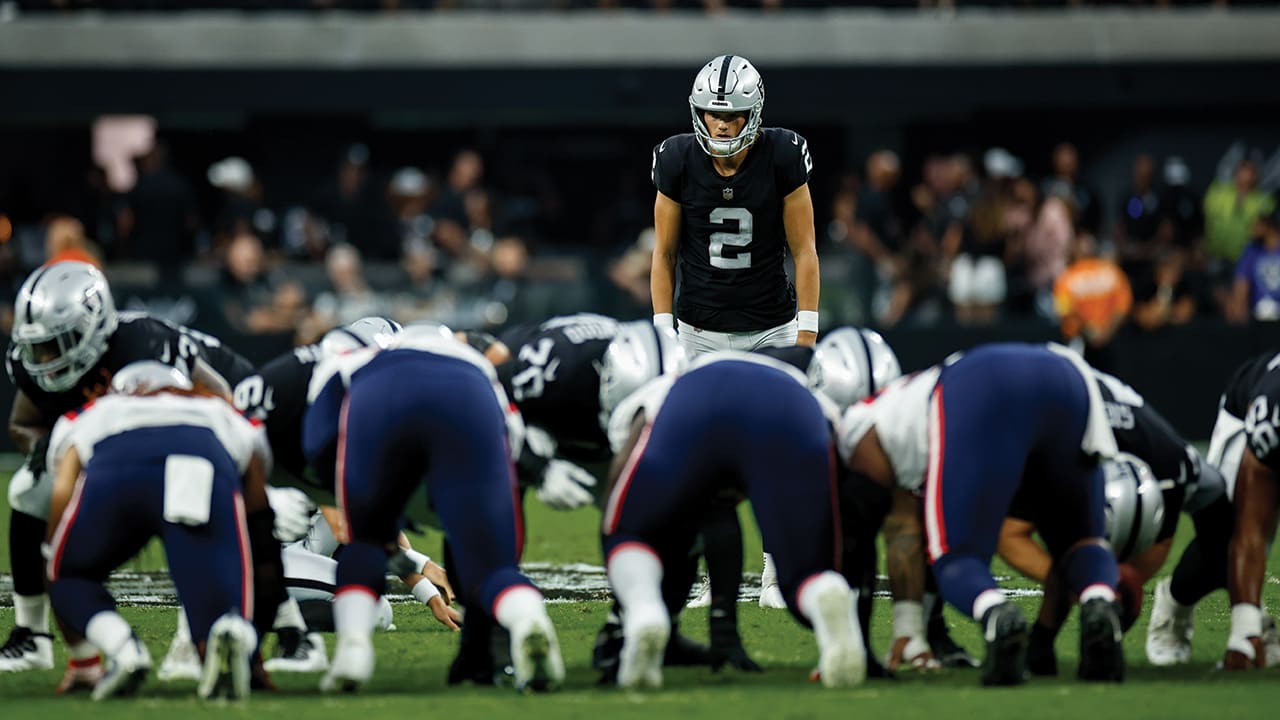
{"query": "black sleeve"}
pixel 668 167
pixel 1262 423
pixel 792 162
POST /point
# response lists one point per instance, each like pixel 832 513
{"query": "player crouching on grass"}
pixel 1000 422
pixel 738 424
pixel 155 458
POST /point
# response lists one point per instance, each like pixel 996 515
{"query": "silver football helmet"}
pixel 148 376
pixel 850 364
pixel 63 319
pixel 639 353
pixel 1135 505
pixel 371 331
pixel 729 83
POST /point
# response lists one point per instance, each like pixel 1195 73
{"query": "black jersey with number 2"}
pixel 732 237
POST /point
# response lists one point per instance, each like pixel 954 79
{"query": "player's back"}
pixel 1256 376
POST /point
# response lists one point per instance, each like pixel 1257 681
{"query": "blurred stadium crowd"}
pixel 967 238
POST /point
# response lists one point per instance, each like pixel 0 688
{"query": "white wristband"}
pixel 664 320
pixel 807 320
pixel 1246 622
pixel 425 590
pixel 908 619
pixel 419 560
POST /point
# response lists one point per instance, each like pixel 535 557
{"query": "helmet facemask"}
pixel 727 84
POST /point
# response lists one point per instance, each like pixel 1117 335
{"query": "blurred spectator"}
pixel 355 209
pixel 1179 206
pixel 465 175
pixel 1255 293
pixel 350 297
pixel 1093 299
pixel 1066 183
pixel 877 232
pixel 409 195
pixel 240 208
pixel 1169 294
pixel 629 274
pixel 1047 248
pixel 1138 217
pixel 915 296
pixel 98 207
pixel 249 300
pixel 65 240
pixel 159 219
pixel 977 285
pixel 1230 207
pixel 506 295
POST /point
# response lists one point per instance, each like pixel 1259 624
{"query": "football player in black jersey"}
pixel 732 199
pixel 1143 514
pixel 68 341
pixel 1230 546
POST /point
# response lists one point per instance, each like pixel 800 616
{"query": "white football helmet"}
pixel 729 83
pixel 1135 505
pixel 850 364
pixel 147 376
pixel 639 353
pixel 371 331
pixel 64 317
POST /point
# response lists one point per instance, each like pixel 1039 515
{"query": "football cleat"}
pixel 1101 654
pixel 182 662
pixel 703 598
pixel 352 665
pixel 1170 628
pixel 126 669
pixel 1271 640
pixel 535 654
pixel 1005 630
pixel 226 672
pixel 771 597
pixel 645 631
pixel 80 675
pixel 307 655
pixel 842 653
pixel 26 650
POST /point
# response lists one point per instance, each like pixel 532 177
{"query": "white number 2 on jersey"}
pixel 740 239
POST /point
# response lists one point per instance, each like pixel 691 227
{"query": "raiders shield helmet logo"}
pixel 728 193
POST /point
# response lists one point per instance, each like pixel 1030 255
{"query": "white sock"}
pixel 516 603
pixel 635 574
pixel 82 651
pixel 108 631
pixel 811 590
pixel 289 615
pixel 986 600
pixel 32 612
pixel 769 573
pixel 183 633
pixel 355 610
pixel 1097 590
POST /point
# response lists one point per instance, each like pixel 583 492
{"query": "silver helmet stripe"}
pixel 724 77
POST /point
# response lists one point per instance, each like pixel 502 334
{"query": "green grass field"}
pixel 409 681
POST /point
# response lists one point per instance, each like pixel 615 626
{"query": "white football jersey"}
pixel 899 414
pixel 112 415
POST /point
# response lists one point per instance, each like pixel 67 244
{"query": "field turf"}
pixel 409 681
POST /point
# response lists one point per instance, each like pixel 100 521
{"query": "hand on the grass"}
pixel 447 616
pixel 911 652
pixel 437 576
pixel 1236 660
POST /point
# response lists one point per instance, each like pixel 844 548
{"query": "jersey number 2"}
pixel 739 239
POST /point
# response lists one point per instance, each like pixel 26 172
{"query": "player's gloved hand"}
pixel 566 486
pixel 36 461
pixel 1245 649
pixel 913 652
pixel 1041 658
pixel 293 510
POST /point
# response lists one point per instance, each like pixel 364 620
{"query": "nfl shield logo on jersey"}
pixel 728 193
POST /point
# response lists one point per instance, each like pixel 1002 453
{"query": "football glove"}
pixel 566 486
pixel 293 510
